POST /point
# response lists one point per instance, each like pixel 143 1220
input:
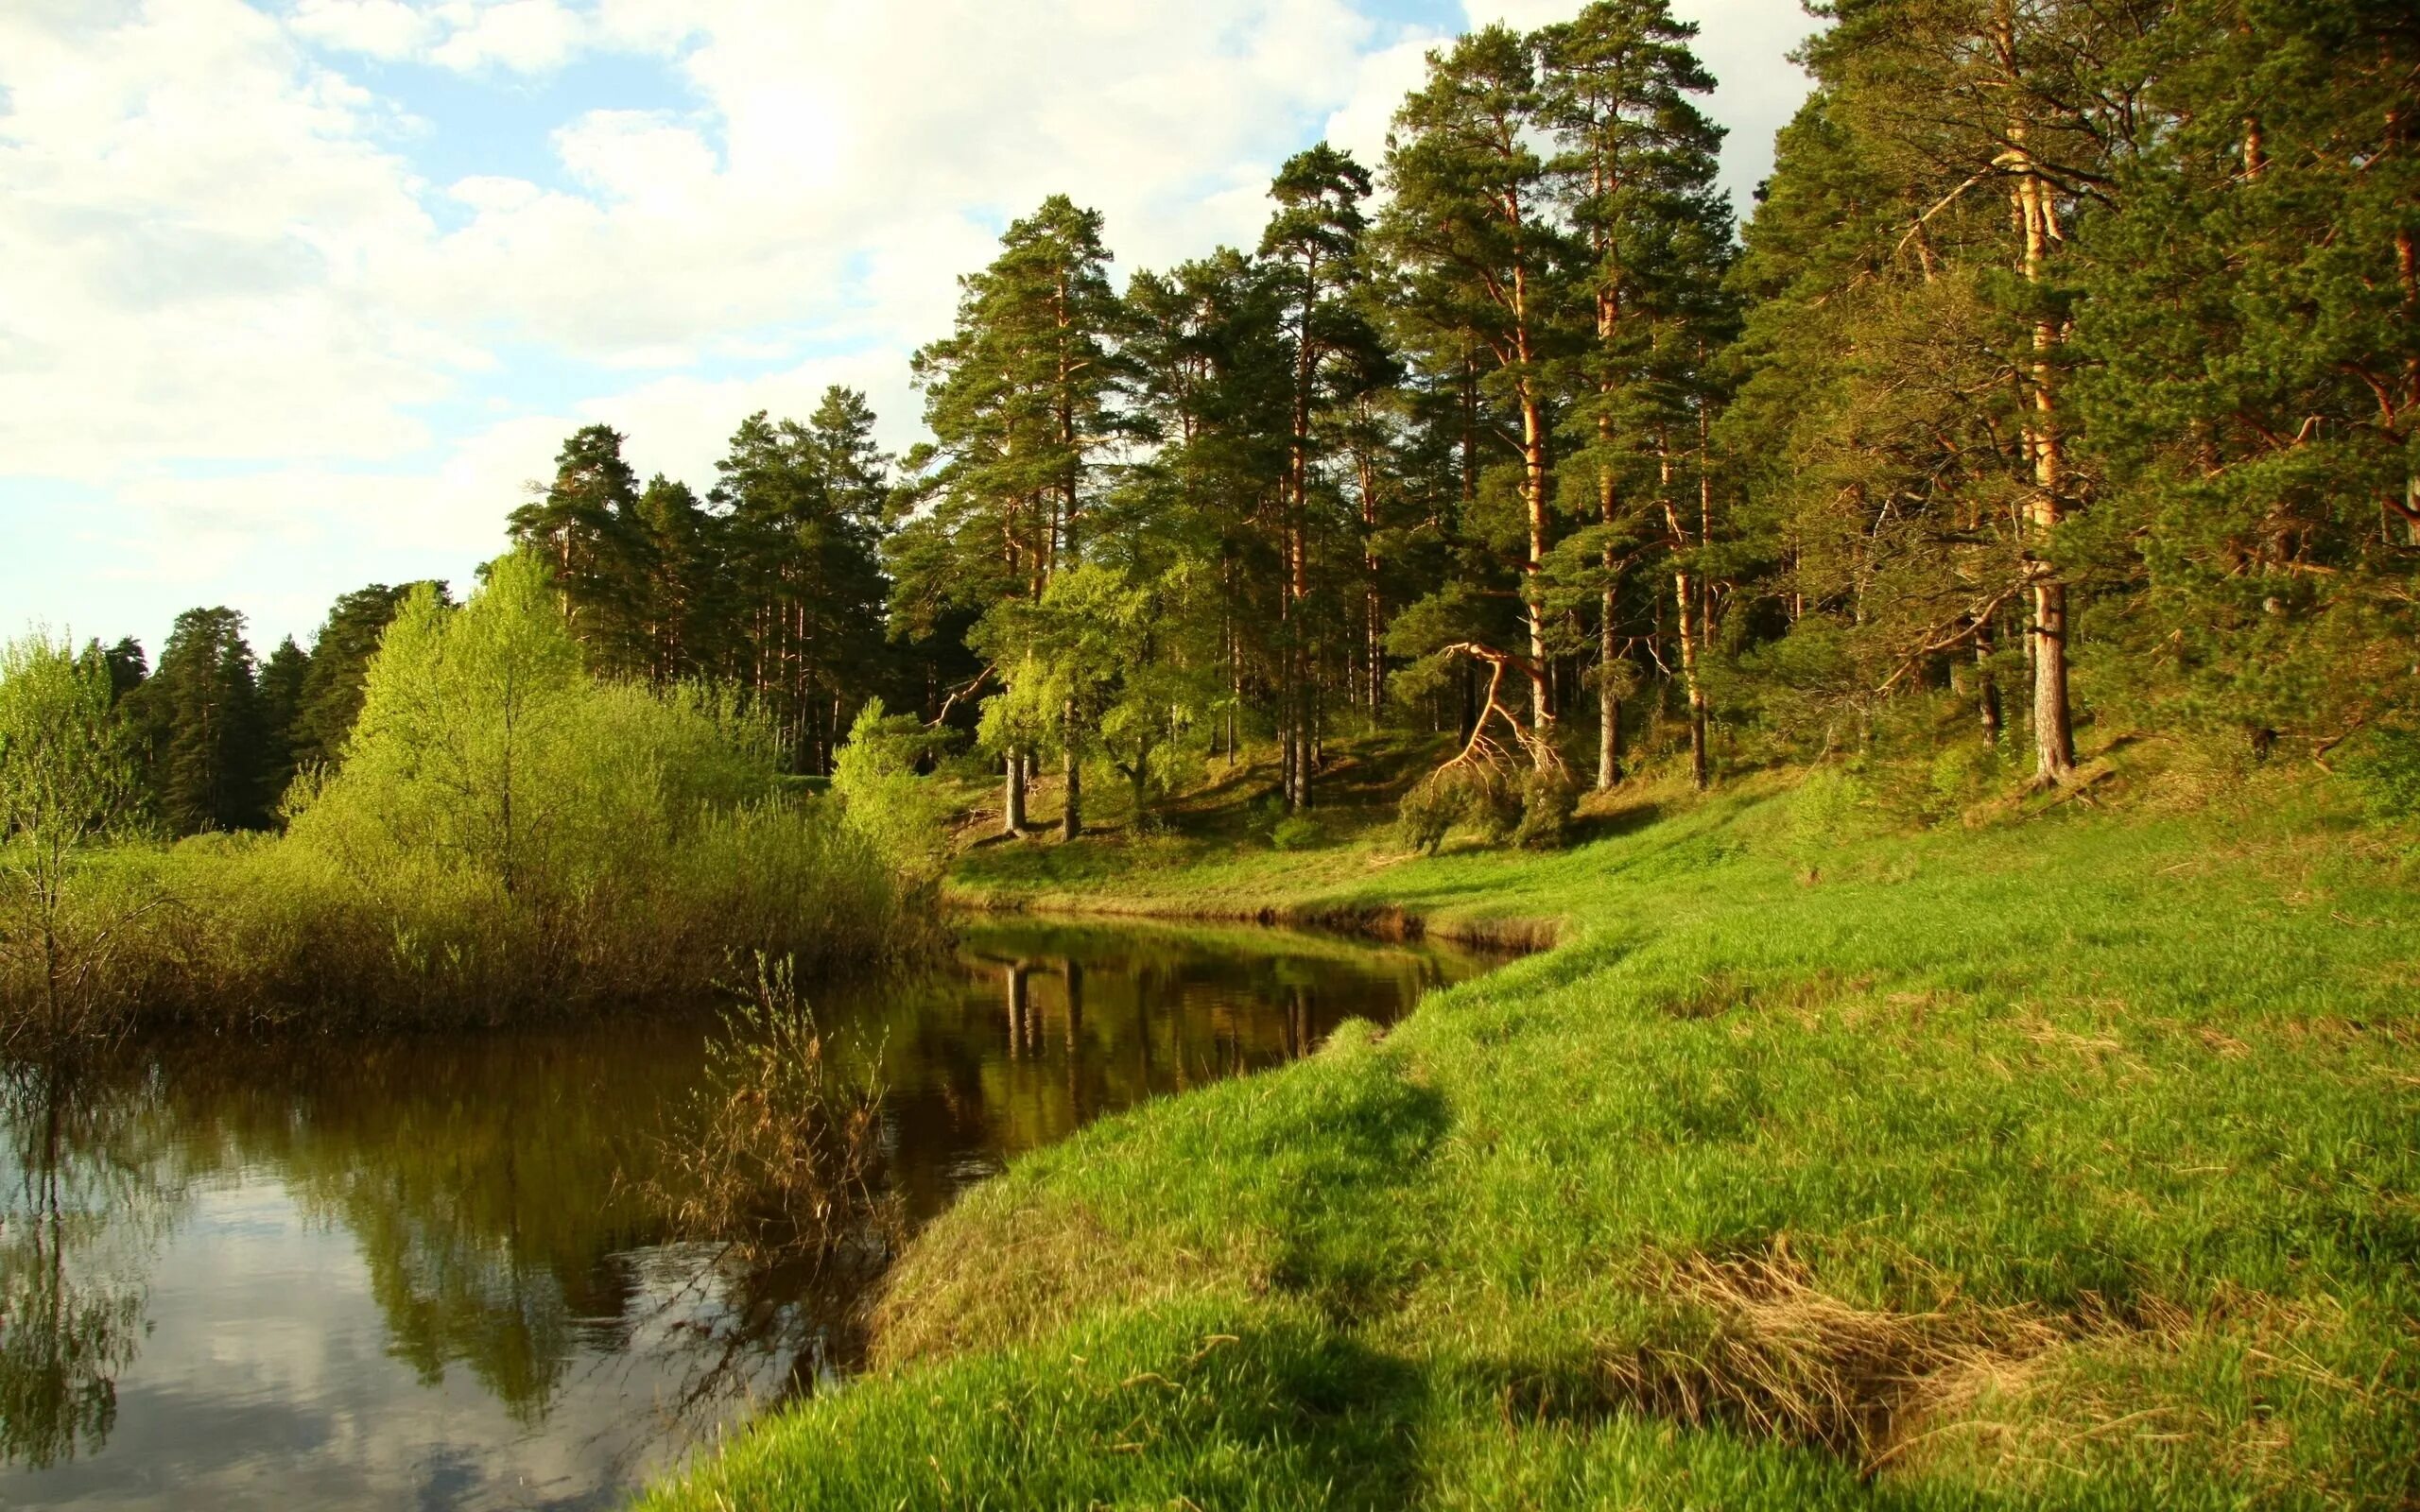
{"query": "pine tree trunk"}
pixel 2407 270
pixel 1687 606
pixel 1609 692
pixel 2054 756
pixel 1013 797
pixel 1071 817
pixel 1698 759
pixel 1609 700
pixel 1988 686
pixel 1533 498
pixel 1684 596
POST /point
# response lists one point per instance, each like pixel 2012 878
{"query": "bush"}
pixel 66 785
pixel 905 816
pixel 2385 770
pixel 1426 815
pixel 780 1153
pixel 1548 800
pixel 1296 831
pixel 1454 796
pixel 1967 772
pixel 1827 810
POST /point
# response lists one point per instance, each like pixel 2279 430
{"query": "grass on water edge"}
pixel 2069 1164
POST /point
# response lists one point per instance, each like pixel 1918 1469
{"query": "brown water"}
pixel 423 1272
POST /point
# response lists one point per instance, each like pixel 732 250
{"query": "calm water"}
pixel 422 1273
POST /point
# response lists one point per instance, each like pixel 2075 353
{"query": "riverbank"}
pixel 2062 1164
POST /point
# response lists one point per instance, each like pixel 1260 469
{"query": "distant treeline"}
pixel 2066 374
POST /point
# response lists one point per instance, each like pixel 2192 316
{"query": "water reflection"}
pixel 425 1271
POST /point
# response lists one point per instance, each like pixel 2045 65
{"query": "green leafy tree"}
pixel 1101 660
pixel 458 747
pixel 67 782
pixel 333 684
pixel 874 775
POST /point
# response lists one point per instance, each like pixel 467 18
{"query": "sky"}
pixel 299 295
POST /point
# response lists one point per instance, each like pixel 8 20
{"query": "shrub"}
pixel 1296 831
pixel 1548 800
pixel 2385 770
pixel 1427 813
pixel 1967 773
pixel 67 784
pixel 1827 810
pixel 1456 795
pixel 780 1151
pixel 905 817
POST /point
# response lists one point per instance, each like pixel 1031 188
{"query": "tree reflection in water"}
pixel 85 1200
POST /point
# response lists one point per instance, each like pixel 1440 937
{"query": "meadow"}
pixel 2067 1160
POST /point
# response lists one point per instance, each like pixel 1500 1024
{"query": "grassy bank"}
pixel 2064 1163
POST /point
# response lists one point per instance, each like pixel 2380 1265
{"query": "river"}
pixel 425 1272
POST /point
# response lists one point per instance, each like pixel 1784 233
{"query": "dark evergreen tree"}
pixel 800 514
pixel 586 525
pixel 1634 170
pixel 1486 287
pixel 282 679
pixel 201 716
pixel 2250 320
pixel 1333 356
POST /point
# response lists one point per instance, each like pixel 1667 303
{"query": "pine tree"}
pixel 1314 241
pixel 1025 400
pixel 2253 387
pixel 801 516
pixel 1214 382
pixel 282 679
pixel 1634 167
pixel 1485 279
pixel 586 526
pixel 202 714
pixel 685 603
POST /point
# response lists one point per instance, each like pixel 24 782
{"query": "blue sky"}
pixel 302 294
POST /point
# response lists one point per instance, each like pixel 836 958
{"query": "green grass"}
pixel 2069 1163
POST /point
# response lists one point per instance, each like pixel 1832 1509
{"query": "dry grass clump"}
pixel 781 1152
pixel 2002 1396
pixel 1761 1347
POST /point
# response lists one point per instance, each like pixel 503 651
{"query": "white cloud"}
pixel 188 214
pixel 222 251
pixel 1381 81
pixel 637 156
pixel 379 28
pixel 526 36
